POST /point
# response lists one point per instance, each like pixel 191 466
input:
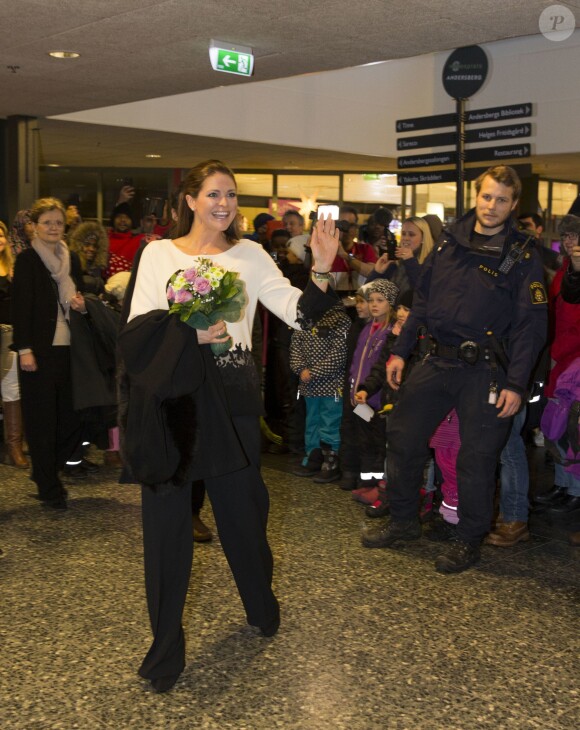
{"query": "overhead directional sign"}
pixel 490 134
pixel 476 116
pixel 498 153
pixel 446 176
pixel 426 140
pixel 231 59
pixel 428 160
pixel 484 134
pixel 419 123
pixel 499 113
pixel 426 178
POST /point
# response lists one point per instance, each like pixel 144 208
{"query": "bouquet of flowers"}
pixel 204 294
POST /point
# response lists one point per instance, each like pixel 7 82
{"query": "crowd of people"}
pixel 398 370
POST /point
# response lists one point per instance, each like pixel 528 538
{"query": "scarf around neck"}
pixel 57 261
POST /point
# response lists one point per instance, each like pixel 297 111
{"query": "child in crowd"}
pixel 318 357
pixel 446 443
pixel 349 456
pixel 375 385
pixel 370 435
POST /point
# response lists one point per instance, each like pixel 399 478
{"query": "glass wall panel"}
pixel 372 188
pixel 255 184
pixel 563 195
pixel 543 186
pixel 71 185
pixel 309 187
pixel 436 197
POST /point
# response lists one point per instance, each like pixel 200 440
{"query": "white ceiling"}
pixel 139 49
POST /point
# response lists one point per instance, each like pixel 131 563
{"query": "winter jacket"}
pixel 322 350
pixel 368 350
pixel 462 295
pixel 565 320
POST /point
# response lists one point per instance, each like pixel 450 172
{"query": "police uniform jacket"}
pixel 461 295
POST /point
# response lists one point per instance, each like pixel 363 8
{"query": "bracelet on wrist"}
pixel 321 275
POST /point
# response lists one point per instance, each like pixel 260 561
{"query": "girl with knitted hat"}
pixel 370 435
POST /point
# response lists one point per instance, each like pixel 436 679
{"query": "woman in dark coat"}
pixel 44 297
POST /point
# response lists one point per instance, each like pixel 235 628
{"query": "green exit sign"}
pixel 231 59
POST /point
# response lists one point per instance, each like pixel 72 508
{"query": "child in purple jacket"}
pixel 370 435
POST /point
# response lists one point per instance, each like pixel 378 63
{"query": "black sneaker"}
pixel 89 466
pixel 460 557
pixel 389 534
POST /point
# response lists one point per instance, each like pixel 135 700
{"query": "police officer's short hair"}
pixel 503 174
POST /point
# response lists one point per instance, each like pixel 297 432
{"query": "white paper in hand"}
pixel 364 411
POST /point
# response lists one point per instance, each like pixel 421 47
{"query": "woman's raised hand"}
pixel 404 253
pixel 324 244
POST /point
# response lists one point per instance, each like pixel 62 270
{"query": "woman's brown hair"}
pixel 45 205
pixel 191 186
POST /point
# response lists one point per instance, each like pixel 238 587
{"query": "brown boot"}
pixel 201 532
pixel 13 435
pixel 508 534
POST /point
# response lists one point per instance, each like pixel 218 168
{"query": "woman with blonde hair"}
pixel 9 388
pixel 416 244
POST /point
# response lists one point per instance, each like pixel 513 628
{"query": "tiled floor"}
pixel 370 639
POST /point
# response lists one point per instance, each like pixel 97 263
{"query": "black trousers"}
pixel 52 426
pixel 240 505
pixel 371 444
pixel 348 453
pixel 197 496
pixel 430 392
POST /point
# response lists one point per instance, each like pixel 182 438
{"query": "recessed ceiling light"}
pixel 64 54
pixel 153 157
pixel 52 164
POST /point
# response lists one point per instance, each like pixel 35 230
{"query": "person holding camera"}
pixel 482 300
pixel 403 265
pixel 355 258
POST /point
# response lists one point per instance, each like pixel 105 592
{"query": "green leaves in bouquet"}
pixel 231 308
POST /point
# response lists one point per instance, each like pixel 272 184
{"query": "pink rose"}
pixel 183 296
pixel 190 274
pixel 202 285
pixel 170 293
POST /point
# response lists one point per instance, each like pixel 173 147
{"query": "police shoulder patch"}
pixel 538 293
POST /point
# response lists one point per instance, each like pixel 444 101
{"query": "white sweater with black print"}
pixel 322 350
pixel 263 282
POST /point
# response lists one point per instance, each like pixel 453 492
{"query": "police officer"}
pixel 483 303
